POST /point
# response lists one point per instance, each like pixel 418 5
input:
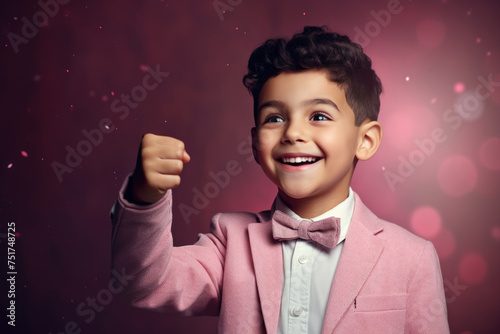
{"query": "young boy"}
pixel 319 261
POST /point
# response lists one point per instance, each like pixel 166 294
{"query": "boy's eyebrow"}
pixel 280 105
pixel 313 102
pixel 273 103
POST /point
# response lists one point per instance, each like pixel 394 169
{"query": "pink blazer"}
pixel 387 280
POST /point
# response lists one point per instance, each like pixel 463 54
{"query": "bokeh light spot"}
pixel 469 106
pixel 430 33
pixel 459 87
pixel 426 222
pixel 473 268
pixel 489 153
pixel 444 243
pixel 403 128
pixel 495 233
pixel 457 175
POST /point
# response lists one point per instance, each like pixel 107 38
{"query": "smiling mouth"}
pixel 298 161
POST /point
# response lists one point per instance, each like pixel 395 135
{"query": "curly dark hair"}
pixel 316 48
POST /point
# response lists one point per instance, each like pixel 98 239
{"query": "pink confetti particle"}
pixel 383 168
pixel 9 165
pixel 303 13
pixel 407 78
pixel 112 93
pixel 67 71
pixel 236 28
pixel 100 27
pixel 24 154
pixel 143 67
pixel 227 64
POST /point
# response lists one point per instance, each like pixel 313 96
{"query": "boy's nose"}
pixel 294 132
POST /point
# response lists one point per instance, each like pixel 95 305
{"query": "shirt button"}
pixel 302 259
pixel 297 311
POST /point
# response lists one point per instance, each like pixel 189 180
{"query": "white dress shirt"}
pixel 308 272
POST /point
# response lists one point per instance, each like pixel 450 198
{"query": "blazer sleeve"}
pixel 426 303
pixel 183 280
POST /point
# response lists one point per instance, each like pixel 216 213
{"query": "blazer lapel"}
pixel 268 263
pixel 359 255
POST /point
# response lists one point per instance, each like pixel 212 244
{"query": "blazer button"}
pixel 297 311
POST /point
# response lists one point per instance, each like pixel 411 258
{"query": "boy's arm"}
pixel 151 272
pixel 184 280
pixel 426 306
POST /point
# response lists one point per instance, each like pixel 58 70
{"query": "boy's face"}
pixel 305 139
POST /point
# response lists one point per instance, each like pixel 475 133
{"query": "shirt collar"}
pixel 343 210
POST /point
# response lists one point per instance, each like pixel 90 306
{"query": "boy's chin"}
pixel 294 194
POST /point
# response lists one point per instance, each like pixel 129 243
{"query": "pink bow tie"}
pixel 325 232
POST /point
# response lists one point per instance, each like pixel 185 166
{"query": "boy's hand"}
pixel 159 164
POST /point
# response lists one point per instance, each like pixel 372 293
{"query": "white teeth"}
pixel 298 160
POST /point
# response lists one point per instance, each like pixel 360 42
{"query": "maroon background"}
pixel 64 80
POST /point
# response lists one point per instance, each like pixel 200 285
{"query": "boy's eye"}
pixel 320 117
pixel 274 119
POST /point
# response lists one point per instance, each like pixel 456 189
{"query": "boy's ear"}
pixel 255 144
pixel 370 137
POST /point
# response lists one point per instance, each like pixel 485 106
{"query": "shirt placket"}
pixel 300 287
